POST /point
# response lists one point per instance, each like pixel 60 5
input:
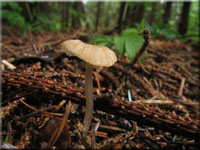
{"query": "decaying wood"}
pixel 149 114
pixel 164 94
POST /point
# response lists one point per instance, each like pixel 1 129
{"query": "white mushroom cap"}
pixel 92 54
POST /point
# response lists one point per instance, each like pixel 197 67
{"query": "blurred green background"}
pixel 160 18
pixel 115 22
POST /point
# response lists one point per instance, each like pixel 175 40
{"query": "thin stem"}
pixel 146 36
pixel 89 96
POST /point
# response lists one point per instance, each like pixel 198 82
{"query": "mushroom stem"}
pixel 89 96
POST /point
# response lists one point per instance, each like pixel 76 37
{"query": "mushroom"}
pixel 92 55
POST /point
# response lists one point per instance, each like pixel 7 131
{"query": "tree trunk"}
pixel 127 16
pixel 98 15
pixel 183 25
pixel 134 14
pixel 167 12
pixel 25 12
pixel 107 15
pixel 120 18
pixel 76 19
pixel 139 13
pixel 28 10
pixel 64 11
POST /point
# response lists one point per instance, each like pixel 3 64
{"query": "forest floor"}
pixel 153 105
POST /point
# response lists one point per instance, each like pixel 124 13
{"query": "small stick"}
pixel 64 122
pixel 146 36
pixel 60 104
pixel 99 134
pixel 11 50
pixel 160 102
pixel 35 49
pixel 151 90
pixel 140 64
pixel 97 80
pixel 111 77
pixel 112 128
pixel 93 132
pixel 180 90
pixel 33 108
pixel 53 137
pixel 148 133
pixel 9 65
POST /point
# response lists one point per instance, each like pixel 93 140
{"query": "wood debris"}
pixel 164 90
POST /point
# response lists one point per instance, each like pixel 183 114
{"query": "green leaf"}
pixel 140 26
pixel 119 44
pixel 107 44
pixel 128 42
pixel 4 4
pixel 15 6
pixel 37 28
pixel 133 44
pixel 130 48
pixel 14 18
pixel 43 19
pixel 101 38
pixel 6 139
pixel 90 23
pixel 129 31
pixel 170 33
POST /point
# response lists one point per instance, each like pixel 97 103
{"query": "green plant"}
pixel 159 28
pixel 39 20
pixel 43 21
pixel 128 42
pixel 76 14
pixel 102 40
pixel 193 27
pixel 13 16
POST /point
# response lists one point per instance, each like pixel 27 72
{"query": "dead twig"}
pixel 160 102
pixel 64 122
pixel 97 80
pixel 150 90
pixel 11 50
pixel 111 76
pixel 146 35
pixel 180 90
pixel 43 112
pixel 93 132
pixel 9 65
